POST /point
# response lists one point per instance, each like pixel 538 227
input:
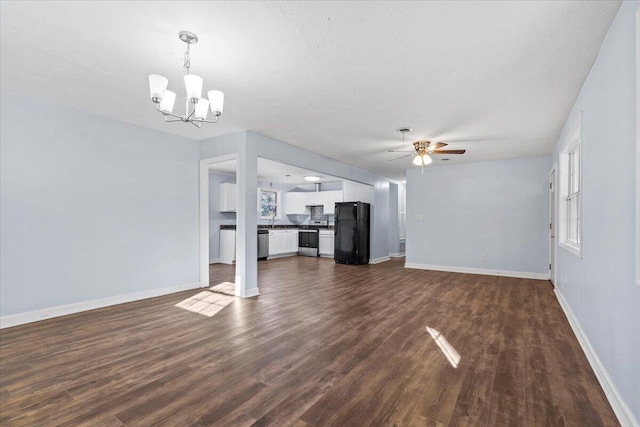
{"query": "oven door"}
pixel 308 242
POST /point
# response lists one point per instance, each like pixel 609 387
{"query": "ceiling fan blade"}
pixel 401 150
pixel 449 151
pixel 402 157
pixel 436 145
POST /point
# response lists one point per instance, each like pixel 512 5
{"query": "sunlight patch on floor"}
pixel 450 353
pixel 206 303
pixel 228 288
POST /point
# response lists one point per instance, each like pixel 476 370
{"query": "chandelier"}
pixel 196 108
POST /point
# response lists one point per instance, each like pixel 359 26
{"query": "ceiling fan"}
pixel 422 149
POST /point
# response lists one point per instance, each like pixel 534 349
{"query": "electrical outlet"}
pixel 483 258
pixel 418 217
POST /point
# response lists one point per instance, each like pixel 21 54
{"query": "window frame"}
pixel 278 203
pixel 571 191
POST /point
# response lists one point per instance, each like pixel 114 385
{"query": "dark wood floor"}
pixel 323 344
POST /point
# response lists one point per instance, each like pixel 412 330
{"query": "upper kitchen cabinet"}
pixel 313 198
pixel 296 204
pixel 329 200
pixel 228 198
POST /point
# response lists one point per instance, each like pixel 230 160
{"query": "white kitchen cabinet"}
pixel 291 241
pixel 296 204
pixel 329 200
pixel 326 243
pixel 228 197
pixel 273 249
pixel 283 242
pixel 313 198
pixel 227 246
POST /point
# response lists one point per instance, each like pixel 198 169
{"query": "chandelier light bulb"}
pixel 216 101
pixel 193 84
pixel 157 87
pixel 202 108
pixel 166 105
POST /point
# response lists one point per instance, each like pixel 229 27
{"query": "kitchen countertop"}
pixel 282 227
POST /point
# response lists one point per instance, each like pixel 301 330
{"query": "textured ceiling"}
pixel 337 78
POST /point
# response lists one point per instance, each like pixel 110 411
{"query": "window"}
pixel 269 201
pixel 572 199
pixel 570 192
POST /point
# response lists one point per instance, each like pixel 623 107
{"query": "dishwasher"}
pixel 263 244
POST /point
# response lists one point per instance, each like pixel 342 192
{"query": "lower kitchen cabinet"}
pixel 283 242
pixel 326 243
pixel 272 243
pixel 227 246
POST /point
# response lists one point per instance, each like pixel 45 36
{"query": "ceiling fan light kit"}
pixel 422 160
pixel 196 107
pixel 423 149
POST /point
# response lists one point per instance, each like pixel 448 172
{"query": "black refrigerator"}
pixel 351 245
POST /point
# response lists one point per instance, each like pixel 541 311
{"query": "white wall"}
pixel 496 209
pixel 91 208
pixel 600 288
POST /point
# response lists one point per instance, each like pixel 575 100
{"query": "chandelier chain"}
pixel 187 60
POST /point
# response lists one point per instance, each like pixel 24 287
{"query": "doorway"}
pixel 210 224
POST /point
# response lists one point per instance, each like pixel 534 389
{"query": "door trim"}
pixel 553 219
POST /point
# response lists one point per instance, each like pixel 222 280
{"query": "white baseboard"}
pixel 282 255
pixel 622 411
pixel 379 260
pixel 250 293
pixel 63 310
pixel 214 261
pixel 486 272
pixel 397 254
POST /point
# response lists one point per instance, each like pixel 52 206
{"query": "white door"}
pixel 552 226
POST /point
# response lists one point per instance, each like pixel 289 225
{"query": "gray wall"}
pixel 91 208
pixel 600 287
pixel 497 209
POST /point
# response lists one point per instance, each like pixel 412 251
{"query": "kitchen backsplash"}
pixel 317 212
